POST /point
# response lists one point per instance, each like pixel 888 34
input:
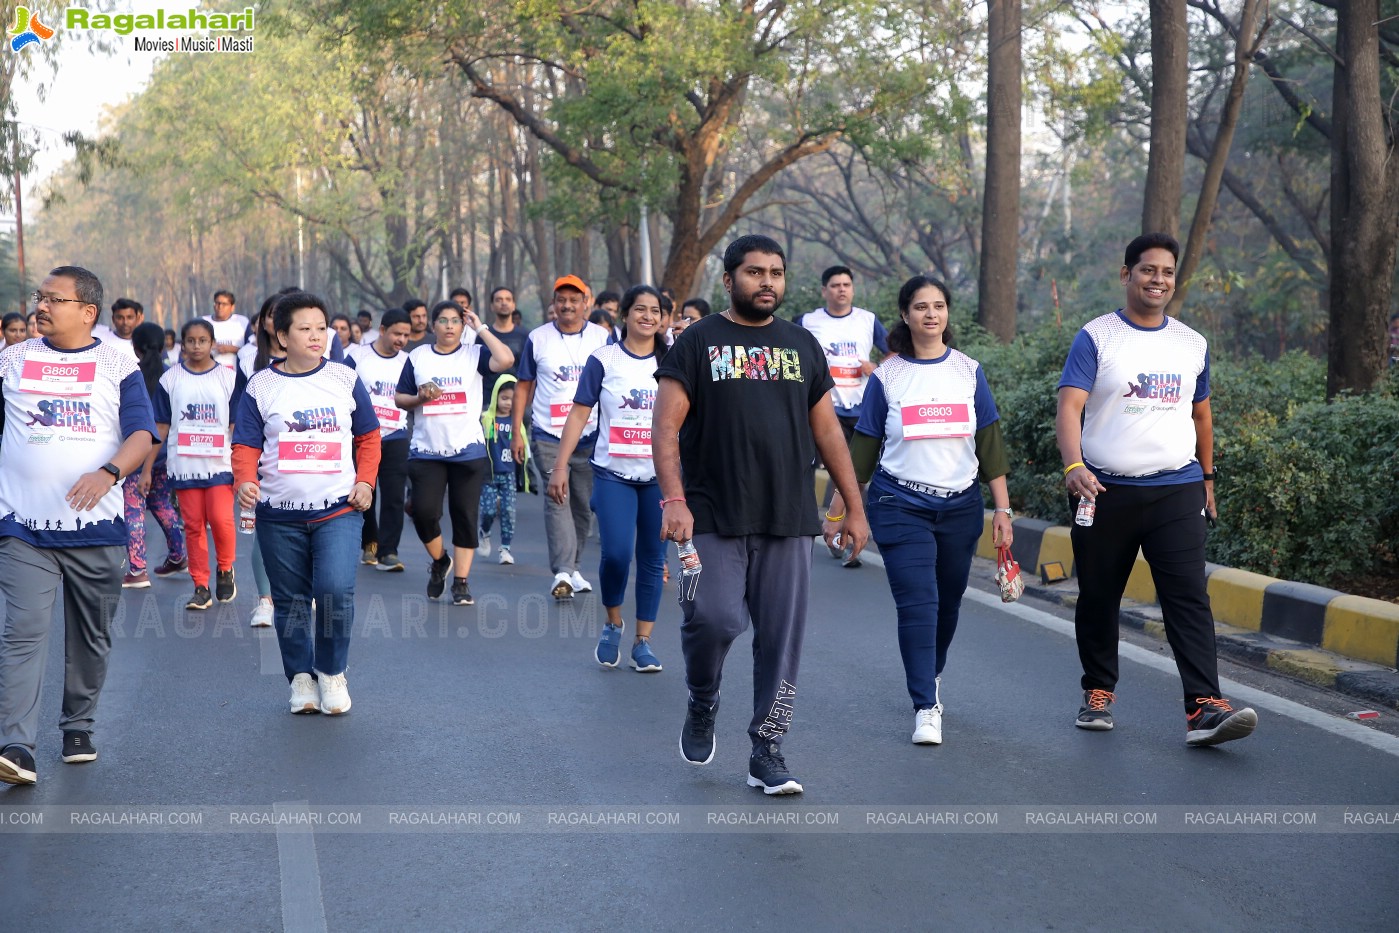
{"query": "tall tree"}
pixel 1364 203
pixel 1000 219
pixel 1170 105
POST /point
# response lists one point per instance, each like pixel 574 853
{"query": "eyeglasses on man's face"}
pixel 39 298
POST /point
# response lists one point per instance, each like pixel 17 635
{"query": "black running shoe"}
pixel 1215 721
pixel 202 598
pixel 1096 711
pixel 697 735
pixel 78 747
pixel 461 593
pixel 767 769
pixel 224 587
pixel 437 576
pixel 16 765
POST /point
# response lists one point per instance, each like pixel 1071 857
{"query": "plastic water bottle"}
pixel 690 568
pixel 1087 508
pixel 247 520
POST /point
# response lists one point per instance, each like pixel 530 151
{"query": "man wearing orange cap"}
pixel 549 369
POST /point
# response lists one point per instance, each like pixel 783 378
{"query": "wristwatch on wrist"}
pixel 1010 513
pixel 113 469
pixel 1210 475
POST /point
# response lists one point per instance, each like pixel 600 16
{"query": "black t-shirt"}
pixel 746 448
pixel 515 340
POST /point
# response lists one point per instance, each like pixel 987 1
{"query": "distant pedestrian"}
pixel 928 431
pixel 379 366
pixel 743 408
pixel 14 329
pixel 230 328
pixel 63 469
pixel 619 381
pixel 1137 436
pixel 194 415
pixel 306 455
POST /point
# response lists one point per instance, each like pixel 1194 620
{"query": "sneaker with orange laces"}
pixel 1215 721
pixel 1096 711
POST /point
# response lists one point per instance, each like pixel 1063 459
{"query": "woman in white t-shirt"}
pixel 619 379
pixel 306 456
pixel 928 431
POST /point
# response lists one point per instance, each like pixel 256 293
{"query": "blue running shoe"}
pixel 643 661
pixel 609 646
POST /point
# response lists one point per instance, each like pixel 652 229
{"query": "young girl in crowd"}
pixel 149 487
pixel 194 398
pixel 507 476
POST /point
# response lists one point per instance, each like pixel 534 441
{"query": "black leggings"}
pixel 461 482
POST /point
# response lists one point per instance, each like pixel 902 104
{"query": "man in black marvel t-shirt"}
pixel 744 405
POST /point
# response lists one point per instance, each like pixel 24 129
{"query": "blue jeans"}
pixel 913 541
pixel 313 560
pixel 629 522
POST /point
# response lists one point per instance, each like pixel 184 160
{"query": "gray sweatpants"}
pixel 566 526
pixel 764 578
pixel 29 580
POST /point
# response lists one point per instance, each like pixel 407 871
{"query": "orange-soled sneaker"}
pixel 1215 721
pixel 1096 711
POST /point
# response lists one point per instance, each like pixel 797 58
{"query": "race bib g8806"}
pixel 50 374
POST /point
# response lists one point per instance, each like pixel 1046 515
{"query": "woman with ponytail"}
pixel 149 487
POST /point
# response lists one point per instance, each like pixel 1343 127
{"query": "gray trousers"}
pixel 566 526
pixel 764 578
pixel 29 580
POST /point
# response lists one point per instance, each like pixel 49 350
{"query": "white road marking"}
pixel 1250 695
pixel 303 905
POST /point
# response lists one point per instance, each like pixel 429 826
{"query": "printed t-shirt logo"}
pixel 66 414
pixel 843 357
pixel 1162 387
pixel 200 434
pixel 760 364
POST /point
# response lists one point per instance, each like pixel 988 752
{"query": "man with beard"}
pixel 744 405
pixel 127 315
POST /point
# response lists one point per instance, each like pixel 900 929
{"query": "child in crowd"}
pixel 507 477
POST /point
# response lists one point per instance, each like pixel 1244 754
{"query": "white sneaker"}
pixel 563 586
pixel 927 726
pixel 335 694
pixel 579 584
pixel 483 544
pixel 262 615
pixel 304 696
pixel 505 557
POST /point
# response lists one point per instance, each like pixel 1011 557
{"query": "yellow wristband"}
pixel 1073 466
pixel 834 518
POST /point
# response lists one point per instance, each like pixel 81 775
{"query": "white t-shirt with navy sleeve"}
pixel 554 361
pixel 622 387
pixel 1142 385
pixel 196 406
pixel 67 412
pixel 380 375
pixel 234 331
pixel 449 427
pixel 928 413
pixel 305 425
pixel 847 341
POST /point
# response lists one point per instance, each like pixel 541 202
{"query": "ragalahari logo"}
pixel 27 30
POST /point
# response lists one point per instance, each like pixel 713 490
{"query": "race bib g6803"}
pixel 936 419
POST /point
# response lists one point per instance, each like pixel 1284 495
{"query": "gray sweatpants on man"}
pixel 29 581
pixel 566 526
pixel 764 578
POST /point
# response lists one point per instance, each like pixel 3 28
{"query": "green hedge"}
pixel 1308 490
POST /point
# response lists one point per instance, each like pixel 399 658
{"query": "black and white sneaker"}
pixel 1215 721
pixel 437 576
pixel 697 735
pixel 1096 711
pixel 225 589
pixel 202 598
pixel 767 769
pixel 16 765
pixel 461 593
pixel 78 747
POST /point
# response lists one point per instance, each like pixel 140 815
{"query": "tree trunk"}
pixel 1245 47
pixel 1000 219
pixel 1169 104
pixel 1364 206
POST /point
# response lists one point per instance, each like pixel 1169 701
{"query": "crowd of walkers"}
pixel 315 434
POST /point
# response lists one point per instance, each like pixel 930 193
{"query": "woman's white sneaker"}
pixel 262 615
pixel 927 726
pixel 305 698
pixel 335 694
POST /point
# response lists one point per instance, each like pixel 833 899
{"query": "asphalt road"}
pixel 492 777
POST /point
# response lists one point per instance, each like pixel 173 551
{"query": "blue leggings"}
pixel 914 541
pixel 629 522
pixel 498 498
